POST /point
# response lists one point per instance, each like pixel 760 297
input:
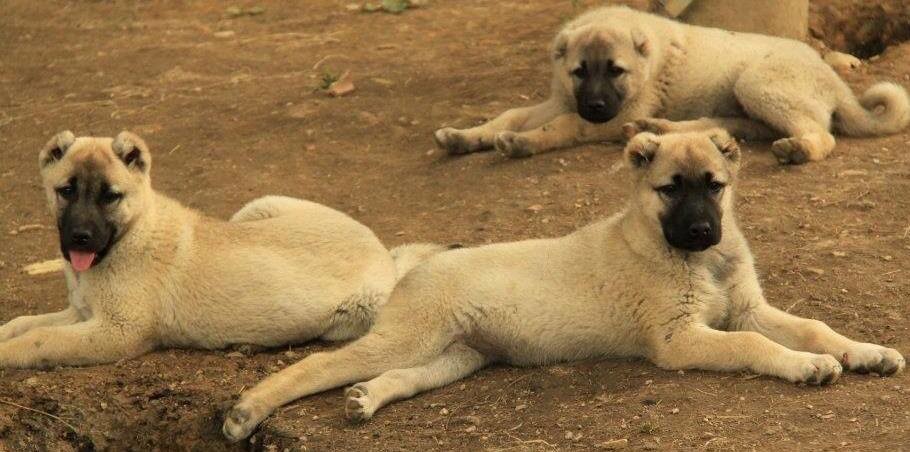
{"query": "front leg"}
pixel 464 141
pixel 90 342
pixel 21 325
pixel 696 346
pixel 753 313
pixel 565 130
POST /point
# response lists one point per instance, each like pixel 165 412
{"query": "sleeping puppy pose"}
pixel 670 278
pixel 614 65
pixel 144 272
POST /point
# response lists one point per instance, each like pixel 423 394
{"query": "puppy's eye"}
pixel 615 71
pixel 67 192
pixel 669 190
pixel 581 71
pixel 716 187
pixel 110 197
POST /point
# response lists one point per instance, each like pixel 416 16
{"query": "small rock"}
pixel 470 429
pixel 233 11
pixel 342 86
pixel 838 254
pixel 470 420
pixel 292 354
pixel 520 407
pixel 842 61
pixel 444 411
pixel 235 355
pixel 888 257
pixel 847 173
pixel 535 208
pixel 353 7
pixel 614 444
pixel 817 271
pixel 674 411
pixel 224 34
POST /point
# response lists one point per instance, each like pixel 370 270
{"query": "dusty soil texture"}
pixel 231 110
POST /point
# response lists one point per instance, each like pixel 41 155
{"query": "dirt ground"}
pixel 231 110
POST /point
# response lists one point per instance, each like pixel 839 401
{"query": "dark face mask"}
pixel 86 235
pixel 597 98
pixel 692 221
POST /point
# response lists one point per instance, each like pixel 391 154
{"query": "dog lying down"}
pixel 144 272
pixel 670 279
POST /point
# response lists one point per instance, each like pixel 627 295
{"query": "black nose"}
pixel 82 237
pixel 596 105
pixel 699 230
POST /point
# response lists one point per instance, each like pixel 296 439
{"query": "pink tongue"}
pixel 81 260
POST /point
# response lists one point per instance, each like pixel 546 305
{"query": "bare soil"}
pixel 231 109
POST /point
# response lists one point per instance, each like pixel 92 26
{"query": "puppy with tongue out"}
pixel 145 272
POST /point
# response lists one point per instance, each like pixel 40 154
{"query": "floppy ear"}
pixel 726 144
pixel 641 41
pixel 54 150
pixel 132 151
pixel 640 150
pixel 561 45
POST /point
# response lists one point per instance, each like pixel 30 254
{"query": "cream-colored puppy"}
pixel 144 272
pixel 670 279
pixel 614 65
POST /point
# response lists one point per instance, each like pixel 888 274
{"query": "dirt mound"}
pixel 861 28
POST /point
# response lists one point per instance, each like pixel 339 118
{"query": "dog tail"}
pixel 883 109
pixel 408 256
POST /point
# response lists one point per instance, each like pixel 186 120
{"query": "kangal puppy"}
pixel 144 272
pixel 614 65
pixel 670 278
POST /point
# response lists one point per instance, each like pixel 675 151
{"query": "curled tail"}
pixel 409 256
pixel 883 109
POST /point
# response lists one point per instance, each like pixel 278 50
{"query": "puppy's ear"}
pixel 726 144
pixel 561 45
pixel 55 149
pixel 641 149
pixel 642 42
pixel 132 151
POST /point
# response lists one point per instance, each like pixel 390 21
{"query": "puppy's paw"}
pixel 865 358
pixel 241 420
pixel 358 406
pixel 653 125
pixel 791 151
pixel 513 145
pixel 454 141
pixel 815 369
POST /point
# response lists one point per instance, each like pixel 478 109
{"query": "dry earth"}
pixel 230 108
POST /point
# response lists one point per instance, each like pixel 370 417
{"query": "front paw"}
pixel 358 405
pixel 865 358
pixel 653 125
pixel 514 145
pixel 241 420
pixel 814 369
pixel 454 141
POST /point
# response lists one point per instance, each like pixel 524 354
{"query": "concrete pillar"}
pixel 785 18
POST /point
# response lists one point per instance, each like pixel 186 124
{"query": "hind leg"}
pixel 808 142
pixel 789 104
pixel 455 363
pixel 464 141
pixel 266 207
pixel 383 349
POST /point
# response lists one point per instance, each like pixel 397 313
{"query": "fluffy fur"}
pixel 614 288
pixel 283 270
pixel 693 78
